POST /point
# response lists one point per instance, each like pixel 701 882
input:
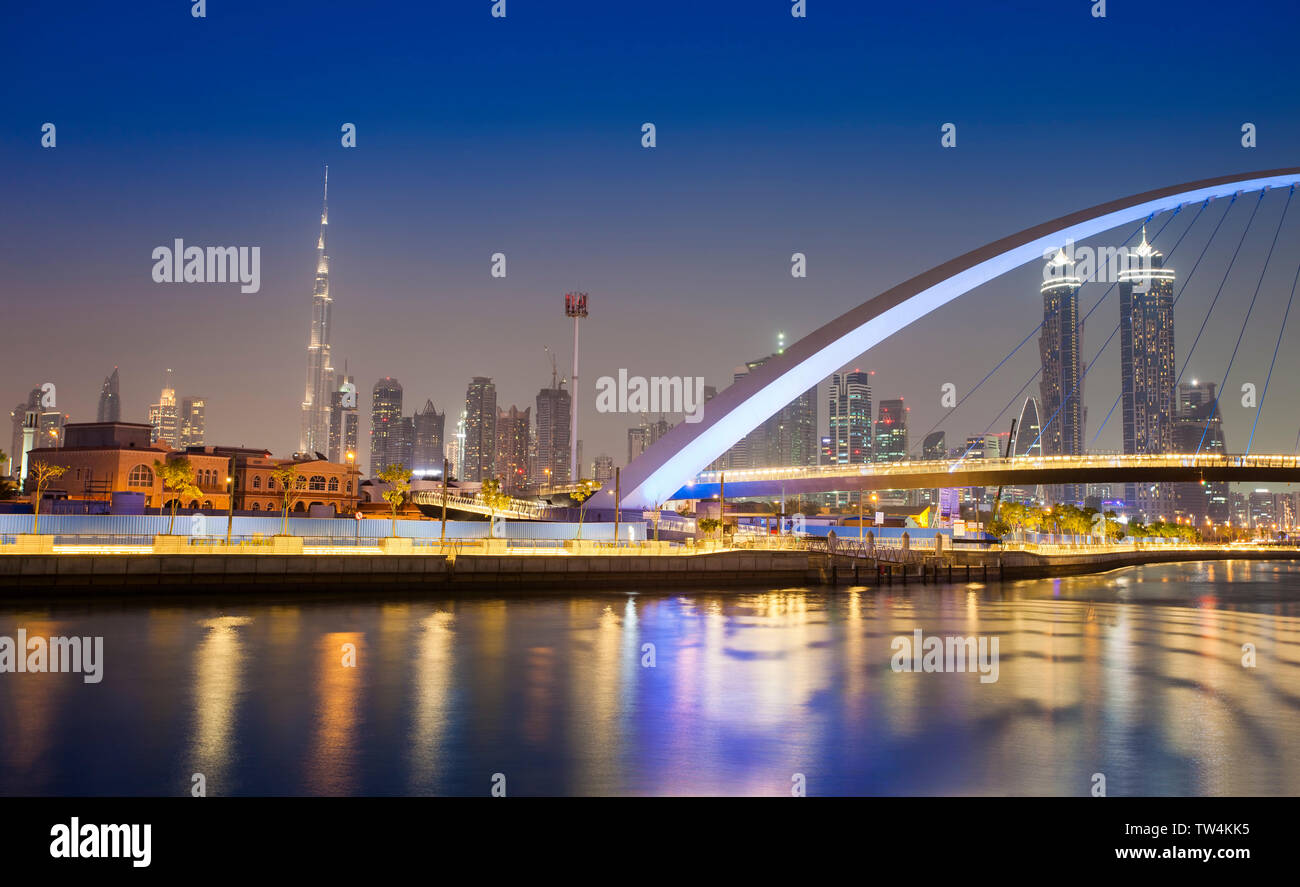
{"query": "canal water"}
pixel 1136 675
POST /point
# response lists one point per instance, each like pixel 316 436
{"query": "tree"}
pixel 177 476
pixel 999 526
pixel 708 524
pixel 42 472
pixel 1110 526
pixel 288 484
pixel 585 490
pixel 398 478
pixel 493 498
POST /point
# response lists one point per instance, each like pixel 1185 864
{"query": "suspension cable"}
pixel 1258 285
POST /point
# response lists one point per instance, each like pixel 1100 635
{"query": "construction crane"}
pixel 555 373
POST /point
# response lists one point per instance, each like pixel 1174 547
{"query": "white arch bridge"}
pixel 676 458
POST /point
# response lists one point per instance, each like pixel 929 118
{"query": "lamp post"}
pixel 442 536
pixel 230 500
pixel 351 458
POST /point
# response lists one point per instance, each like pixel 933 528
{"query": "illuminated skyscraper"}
pixel 850 417
pixel 344 419
pixel 385 425
pixel 849 401
pixel 1199 424
pixel 512 448
pixel 479 452
pixel 314 436
pixel 553 418
pixel 1061 386
pixel 1146 306
pixel 164 417
pixel 788 438
pixel 193 422
pixel 891 431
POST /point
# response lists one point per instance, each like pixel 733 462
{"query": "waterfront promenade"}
pixel 45 566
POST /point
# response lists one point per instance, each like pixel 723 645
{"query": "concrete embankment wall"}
pixel 38 575
pixel 1029 565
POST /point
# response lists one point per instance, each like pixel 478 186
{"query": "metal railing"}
pixel 1017 463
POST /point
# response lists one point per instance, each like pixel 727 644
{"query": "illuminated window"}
pixel 317 482
pixel 140 476
pixel 257 481
pixel 334 484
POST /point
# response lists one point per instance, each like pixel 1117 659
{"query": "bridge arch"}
pixel 676 458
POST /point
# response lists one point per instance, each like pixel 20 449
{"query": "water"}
pixel 1136 674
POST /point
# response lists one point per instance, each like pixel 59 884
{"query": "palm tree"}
pixel 177 476
pixel 398 478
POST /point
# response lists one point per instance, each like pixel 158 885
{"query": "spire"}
pixel 324 214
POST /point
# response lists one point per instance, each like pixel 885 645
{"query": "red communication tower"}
pixel 575 304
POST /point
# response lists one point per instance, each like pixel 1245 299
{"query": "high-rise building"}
pixel 110 401
pixel 850 417
pixel 1146 302
pixel 164 417
pixel 480 429
pixel 456 456
pixel 314 436
pixel 891 431
pixel 401 442
pixel 602 469
pixel 344 419
pixel 638 439
pixel 1028 441
pixel 553 451
pixel 934 446
pixel 427 452
pixel 512 448
pixel 1198 425
pixel 1061 386
pixel 193 422
pixel 385 421
pixel 787 438
pixel 849 403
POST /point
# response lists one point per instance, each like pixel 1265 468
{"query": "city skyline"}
pixel 417 299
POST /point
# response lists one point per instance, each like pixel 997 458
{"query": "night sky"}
pixel 477 135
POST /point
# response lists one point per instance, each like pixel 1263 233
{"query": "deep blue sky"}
pixel 478 135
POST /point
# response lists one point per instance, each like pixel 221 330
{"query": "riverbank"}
pixel 1034 565
pixel 45 574
pixel 54 575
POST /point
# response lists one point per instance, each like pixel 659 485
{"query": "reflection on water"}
pixel 1136 674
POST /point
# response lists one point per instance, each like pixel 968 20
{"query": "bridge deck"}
pixel 1016 471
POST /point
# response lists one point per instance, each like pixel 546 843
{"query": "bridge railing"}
pixel 1025 463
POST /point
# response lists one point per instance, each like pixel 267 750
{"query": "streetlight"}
pixel 351 458
pixel 230 500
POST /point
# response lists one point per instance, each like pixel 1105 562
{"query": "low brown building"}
pixel 103 458
pixel 318 482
